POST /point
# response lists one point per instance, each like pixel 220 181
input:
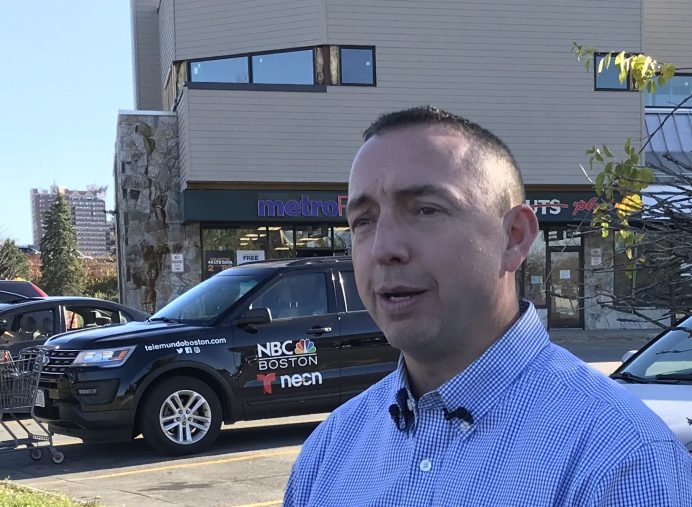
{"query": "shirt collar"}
pixel 495 370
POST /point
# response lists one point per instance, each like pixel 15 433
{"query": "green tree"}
pixel 13 263
pixel 62 272
pixel 652 225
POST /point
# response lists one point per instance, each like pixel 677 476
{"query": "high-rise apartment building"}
pixel 88 209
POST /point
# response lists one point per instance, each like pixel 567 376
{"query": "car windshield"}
pixel 209 299
pixel 669 358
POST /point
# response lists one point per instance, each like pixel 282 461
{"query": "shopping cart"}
pixel 19 379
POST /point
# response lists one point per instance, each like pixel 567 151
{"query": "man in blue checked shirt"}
pixel 483 409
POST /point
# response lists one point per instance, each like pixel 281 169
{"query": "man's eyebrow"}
pixel 425 190
pixel 404 194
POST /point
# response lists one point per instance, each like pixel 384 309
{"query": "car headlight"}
pixel 104 358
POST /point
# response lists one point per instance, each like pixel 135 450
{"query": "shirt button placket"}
pixel 422 485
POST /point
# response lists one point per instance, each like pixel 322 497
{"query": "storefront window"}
pixel 342 240
pixel 221 247
pixel 280 244
pixel 564 237
pixel 534 272
pixel 226 247
pixel 312 237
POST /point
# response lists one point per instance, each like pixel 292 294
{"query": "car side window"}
pixel 295 296
pixel 78 317
pixel 33 325
pixel 348 286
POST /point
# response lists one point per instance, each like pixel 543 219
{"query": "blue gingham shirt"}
pixel 547 430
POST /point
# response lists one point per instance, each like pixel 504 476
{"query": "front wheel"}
pixel 181 415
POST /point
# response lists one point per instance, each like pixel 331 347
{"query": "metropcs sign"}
pixel 568 203
pixel 304 207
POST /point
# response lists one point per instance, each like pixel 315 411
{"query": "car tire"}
pixel 181 415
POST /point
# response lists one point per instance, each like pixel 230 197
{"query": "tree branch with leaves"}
pixel 652 225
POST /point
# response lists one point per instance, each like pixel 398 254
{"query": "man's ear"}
pixel 521 225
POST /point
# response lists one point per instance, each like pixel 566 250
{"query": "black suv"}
pixel 265 339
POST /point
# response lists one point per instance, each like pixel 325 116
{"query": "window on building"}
pixel 313 237
pixel 357 66
pixel 222 70
pixel 288 67
pixel 609 78
pixel 676 89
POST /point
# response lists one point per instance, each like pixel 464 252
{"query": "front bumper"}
pixel 91 410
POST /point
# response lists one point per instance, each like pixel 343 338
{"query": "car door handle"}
pixel 319 330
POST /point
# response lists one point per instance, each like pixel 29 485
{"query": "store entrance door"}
pixel 565 288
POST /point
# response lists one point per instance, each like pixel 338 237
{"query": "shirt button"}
pixel 425 465
pixel 409 404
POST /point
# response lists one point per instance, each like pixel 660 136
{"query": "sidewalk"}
pixel 618 335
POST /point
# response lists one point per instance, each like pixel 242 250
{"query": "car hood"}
pixel 672 403
pixel 124 334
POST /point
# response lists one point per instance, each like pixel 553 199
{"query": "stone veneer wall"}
pixel 599 279
pixel 149 213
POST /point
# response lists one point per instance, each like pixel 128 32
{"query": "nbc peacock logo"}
pixel 305 346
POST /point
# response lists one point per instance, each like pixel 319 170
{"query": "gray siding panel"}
pixel 667 31
pixel 220 27
pixel 285 137
pixel 146 61
pixel 503 63
pixel 167 37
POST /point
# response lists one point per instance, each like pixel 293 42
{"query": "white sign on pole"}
pixel 177 263
pixel 243 256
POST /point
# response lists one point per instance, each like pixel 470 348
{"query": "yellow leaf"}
pixel 630 204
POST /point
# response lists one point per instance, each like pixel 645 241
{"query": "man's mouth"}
pixel 399 295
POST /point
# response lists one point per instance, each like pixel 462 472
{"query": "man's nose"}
pixel 391 243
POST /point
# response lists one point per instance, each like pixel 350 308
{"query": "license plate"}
pixel 40 398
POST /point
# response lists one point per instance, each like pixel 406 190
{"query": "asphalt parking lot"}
pixel 247 467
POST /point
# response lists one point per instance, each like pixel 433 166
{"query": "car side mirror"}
pixel 627 355
pixel 255 316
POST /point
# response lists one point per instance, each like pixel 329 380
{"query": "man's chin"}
pixel 410 341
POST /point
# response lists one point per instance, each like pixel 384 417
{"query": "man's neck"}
pixel 427 373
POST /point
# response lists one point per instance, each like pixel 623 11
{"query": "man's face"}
pixel 427 241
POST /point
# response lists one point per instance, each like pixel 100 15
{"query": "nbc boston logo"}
pixel 288 354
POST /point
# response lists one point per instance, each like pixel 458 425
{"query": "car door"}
pixel 365 355
pixel 291 365
pixel 28 327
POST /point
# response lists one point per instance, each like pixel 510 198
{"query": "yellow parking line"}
pixel 262 504
pixel 245 457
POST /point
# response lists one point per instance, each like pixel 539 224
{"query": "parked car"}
pixel 265 339
pixel 15 290
pixel 660 374
pixel 30 322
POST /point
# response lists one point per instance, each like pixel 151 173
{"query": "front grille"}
pixel 58 361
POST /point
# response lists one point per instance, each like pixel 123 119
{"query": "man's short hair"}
pixel 484 144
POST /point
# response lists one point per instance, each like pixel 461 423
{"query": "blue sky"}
pixel 67 69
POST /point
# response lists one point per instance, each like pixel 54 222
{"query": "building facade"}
pixel 88 209
pixel 268 100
